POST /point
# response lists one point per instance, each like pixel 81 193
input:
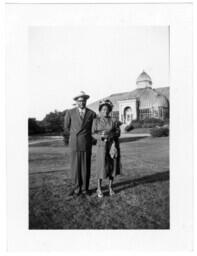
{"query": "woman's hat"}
pixel 81 95
pixel 106 103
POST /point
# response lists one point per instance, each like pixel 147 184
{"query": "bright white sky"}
pixel 98 60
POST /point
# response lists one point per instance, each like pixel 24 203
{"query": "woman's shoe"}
pixel 99 193
pixel 111 192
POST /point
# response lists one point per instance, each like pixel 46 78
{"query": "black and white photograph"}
pixel 99 152
pixel 99 126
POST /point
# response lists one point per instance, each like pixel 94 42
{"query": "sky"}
pixel 100 60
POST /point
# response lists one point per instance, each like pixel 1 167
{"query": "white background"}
pixel 179 236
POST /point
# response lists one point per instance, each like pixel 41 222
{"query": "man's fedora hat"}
pixel 81 95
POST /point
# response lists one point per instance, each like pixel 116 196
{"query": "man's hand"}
pixel 66 138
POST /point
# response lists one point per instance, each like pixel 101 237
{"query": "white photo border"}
pixel 179 17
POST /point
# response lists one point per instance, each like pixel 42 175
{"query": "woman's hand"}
pixel 105 135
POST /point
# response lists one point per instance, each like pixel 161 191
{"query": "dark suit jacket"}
pixel 79 130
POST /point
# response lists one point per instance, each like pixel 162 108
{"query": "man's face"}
pixel 81 102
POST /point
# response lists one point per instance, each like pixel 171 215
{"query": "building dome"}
pixel 161 101
pixel 144 78
pixel 147 98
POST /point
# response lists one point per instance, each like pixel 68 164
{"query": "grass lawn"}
pixel 142 191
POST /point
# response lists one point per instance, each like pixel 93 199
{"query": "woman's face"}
pixel 104 111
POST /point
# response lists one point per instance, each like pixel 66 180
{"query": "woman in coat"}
pixel 106 131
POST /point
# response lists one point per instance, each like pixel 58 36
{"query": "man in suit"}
pixel 78 123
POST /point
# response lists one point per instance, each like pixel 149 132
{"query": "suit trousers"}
pixel 80 169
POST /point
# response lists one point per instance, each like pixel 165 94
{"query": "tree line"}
pixel 52 124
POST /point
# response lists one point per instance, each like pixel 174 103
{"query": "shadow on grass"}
pixel 118 187
pixel 129 139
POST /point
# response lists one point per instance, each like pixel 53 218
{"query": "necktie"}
pixel 82 115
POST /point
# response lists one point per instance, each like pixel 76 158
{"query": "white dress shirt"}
pixel 82 112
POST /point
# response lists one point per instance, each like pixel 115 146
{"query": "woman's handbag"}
pixel 113 151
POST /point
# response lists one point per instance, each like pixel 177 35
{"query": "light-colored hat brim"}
pixel 85 96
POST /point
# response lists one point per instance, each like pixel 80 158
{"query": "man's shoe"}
pixel 71 192
pixel 86 193
pixel 74 192
pixel 77 191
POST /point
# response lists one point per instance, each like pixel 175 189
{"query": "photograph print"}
pixel 99 127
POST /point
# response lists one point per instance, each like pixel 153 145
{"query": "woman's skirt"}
pixel 105 165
